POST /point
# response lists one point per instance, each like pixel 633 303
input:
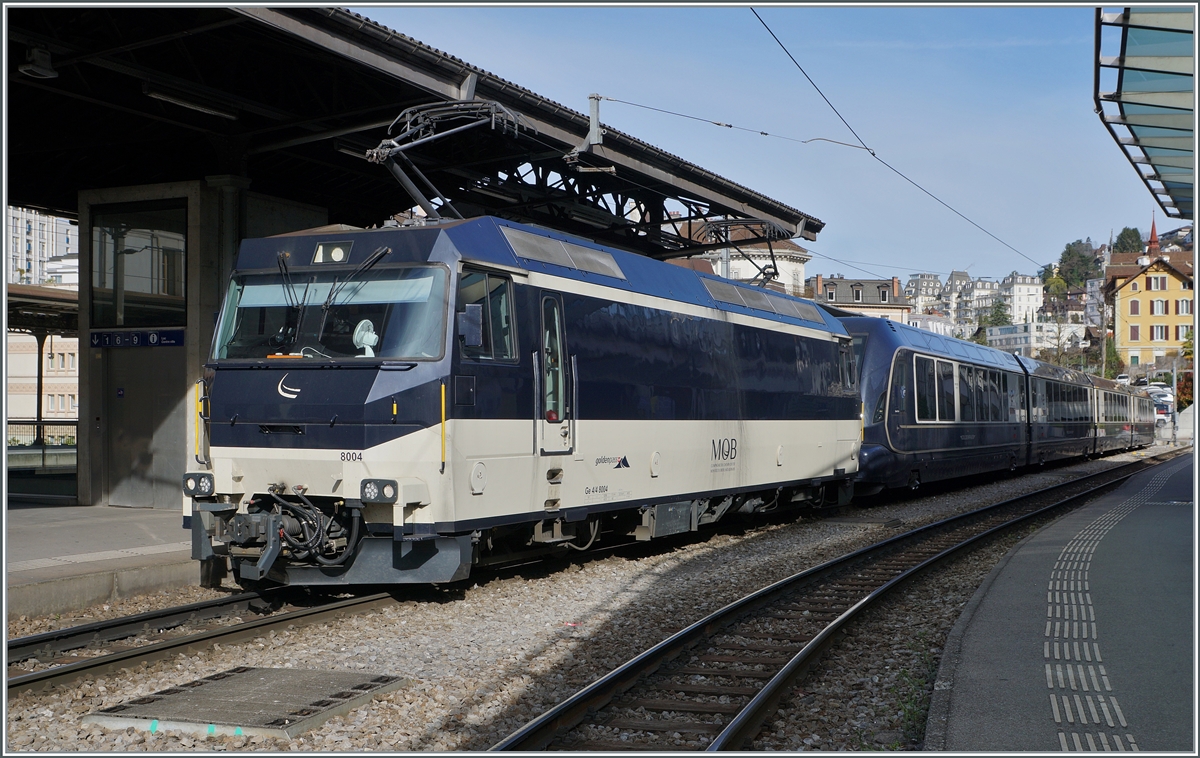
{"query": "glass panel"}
pixel 945 391
pixel 981 395
pixel 553 381
pixel 500 321
pixel 926 390
pixel 472 290
pixel 396 313
pixel 139 256
pixel 966 393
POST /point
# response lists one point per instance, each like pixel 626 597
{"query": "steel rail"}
pixel 543 730
pixel 195 642
pixel 109 630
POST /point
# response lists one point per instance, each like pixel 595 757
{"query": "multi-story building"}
pixel 870 297
pixel 1093 308
pixel 747 264
pixel 1153 304
pixel 932 321
pixel 1040 339
pixel 40 248
pixel 923 291
pixel 1023 296
pixel 60 377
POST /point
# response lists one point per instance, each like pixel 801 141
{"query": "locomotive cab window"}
pixel 494 296
pixel 392 312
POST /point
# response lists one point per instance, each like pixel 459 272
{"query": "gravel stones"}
pixel 487 657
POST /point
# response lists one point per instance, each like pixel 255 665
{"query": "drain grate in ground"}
pixel 249 701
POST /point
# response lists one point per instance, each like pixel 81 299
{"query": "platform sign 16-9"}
pixel 157 338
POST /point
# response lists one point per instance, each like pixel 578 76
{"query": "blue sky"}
pixel 990 109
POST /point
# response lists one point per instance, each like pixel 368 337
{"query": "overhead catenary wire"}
pixel 872 152
pixel 732 126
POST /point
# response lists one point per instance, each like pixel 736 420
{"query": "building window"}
pixel 62 402
pixel 830 293
pixel 857 295
pixel 1133 359
pixel 883 296
pixel 1158 307
pixel 1133 287
pixel 1135 333
pixel 1181 332
pixel 1156 283
pixel 49 361
pixel 1135 309
pixel 49 402
pixel 74 402
pixel 41 231
pixel 1185 285
pixel 72 360
pixel 62 360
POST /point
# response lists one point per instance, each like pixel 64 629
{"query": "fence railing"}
pixel 42 445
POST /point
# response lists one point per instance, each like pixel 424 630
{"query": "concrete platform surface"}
pixel 60 559
pixel 1082 638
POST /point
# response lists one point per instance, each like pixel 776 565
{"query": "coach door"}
pixel 555 421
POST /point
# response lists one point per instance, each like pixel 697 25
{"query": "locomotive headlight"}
pixel 379 491
pixel 198 485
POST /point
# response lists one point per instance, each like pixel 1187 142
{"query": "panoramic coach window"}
pixel 926 390
pixel 139 254
pixel 966 392
pixel 494 294
pixel 945 391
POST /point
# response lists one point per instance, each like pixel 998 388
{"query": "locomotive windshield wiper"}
pixel 290 331
pixel 337 287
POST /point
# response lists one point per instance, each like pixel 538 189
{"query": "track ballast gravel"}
pixel 486 658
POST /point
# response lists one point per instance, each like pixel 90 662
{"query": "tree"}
pixel 1183 383
pixel 1128 241
pixel 1115 366
pixel 1077 264
pixel 999 315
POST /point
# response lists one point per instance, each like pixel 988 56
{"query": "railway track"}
pixel 106 646
pixel 714 684
pixel 283 614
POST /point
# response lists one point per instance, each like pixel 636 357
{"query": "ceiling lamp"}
pixel 39 64
pixel 174 99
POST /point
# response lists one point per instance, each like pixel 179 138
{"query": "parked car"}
pixel 1122 378
pixel 1162 414
pixel 1163 397
pixel 1141 382
pixel 1161 385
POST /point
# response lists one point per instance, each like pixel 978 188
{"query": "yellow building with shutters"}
pixel 1153 312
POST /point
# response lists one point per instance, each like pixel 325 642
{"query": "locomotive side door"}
pixel 554 422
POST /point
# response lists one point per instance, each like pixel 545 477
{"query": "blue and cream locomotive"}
pixel 401 404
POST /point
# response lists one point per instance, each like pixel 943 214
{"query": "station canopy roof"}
pixel 1150 113
pixel 294 97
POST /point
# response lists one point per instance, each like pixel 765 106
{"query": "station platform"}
pixel 1082 637
pixel 60 559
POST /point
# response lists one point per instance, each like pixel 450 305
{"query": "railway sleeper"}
pixel 763 648
pixel 724 673
pixel 742 659
pixel 684 706
pixel 703 689
pixel 639 725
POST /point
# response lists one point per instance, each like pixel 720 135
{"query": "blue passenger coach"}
pixel 401 404
pixel 939 408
